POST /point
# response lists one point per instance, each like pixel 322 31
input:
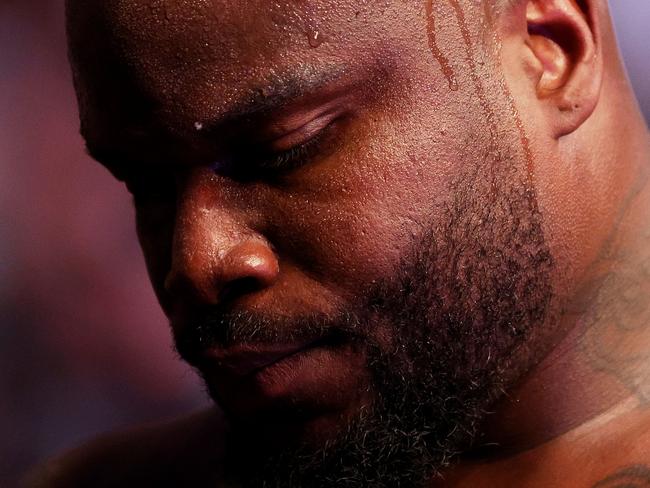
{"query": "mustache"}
pixel 215 327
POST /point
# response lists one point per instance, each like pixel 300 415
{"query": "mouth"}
pixel 245 360
pixel 309 376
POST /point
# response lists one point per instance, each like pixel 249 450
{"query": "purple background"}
pixel 83 346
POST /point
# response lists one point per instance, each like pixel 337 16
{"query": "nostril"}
pixel 240 287
pixel 205 279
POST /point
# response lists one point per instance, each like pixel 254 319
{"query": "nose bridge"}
pixel 205 224
pixel 213 245
pixel 204 231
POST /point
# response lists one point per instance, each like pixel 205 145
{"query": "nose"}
pixel 215 255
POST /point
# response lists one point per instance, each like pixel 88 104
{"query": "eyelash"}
pixel 263 162
pixel 293 157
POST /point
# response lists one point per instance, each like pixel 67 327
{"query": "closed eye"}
pixel 293 157
pixel 267 161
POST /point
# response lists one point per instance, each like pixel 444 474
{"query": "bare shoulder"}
pixel 620 454
pixel 163 454
pixel 631 454
pixel 611 451
pixel 629 476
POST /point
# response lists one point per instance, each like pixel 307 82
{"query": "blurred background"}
pixel 83 346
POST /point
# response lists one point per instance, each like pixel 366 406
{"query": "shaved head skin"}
pixel 404 243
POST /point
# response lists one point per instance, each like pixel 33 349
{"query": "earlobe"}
pixel 563 36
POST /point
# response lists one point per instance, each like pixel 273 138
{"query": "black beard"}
pixel 462 309
pixel 420 419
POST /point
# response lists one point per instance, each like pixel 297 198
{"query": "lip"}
pixel 247 359
pixel 296 380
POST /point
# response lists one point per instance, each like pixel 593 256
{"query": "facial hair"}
pixel 463 310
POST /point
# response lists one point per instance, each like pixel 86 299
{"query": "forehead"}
pixel 202 57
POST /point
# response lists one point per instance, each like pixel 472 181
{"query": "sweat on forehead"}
pixel 181 53
pixel 224 31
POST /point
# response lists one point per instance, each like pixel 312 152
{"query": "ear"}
pixel 566 61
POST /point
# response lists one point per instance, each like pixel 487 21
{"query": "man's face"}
pixel 336 210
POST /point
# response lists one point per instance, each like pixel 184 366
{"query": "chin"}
pixel 307 394
pixel 292 422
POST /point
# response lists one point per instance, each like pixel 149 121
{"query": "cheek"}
pixel 357 217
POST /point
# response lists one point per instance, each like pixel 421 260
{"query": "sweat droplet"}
pixel 315 39
pixel 198 125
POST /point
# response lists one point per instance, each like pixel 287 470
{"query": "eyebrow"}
pixel 279 90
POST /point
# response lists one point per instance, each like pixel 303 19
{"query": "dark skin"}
pixel 406 101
